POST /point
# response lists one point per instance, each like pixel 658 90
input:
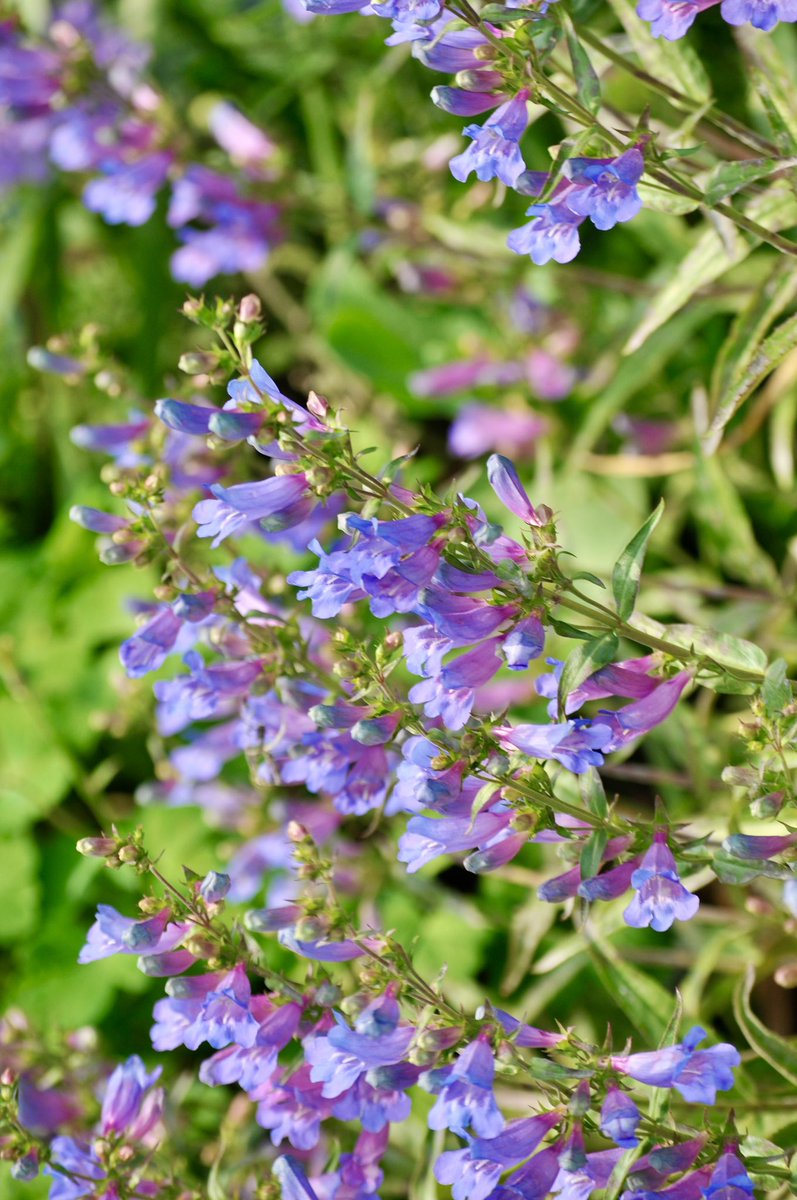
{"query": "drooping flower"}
pixel 495 152
pixel 620 1118
pixel 660 897
pixel 605 188
pixel 464 1091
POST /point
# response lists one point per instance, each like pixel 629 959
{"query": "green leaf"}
pixel 583 661
pixel 770 299
pixel 779 1052
pixel 628 568
pixel 727 538
pixel 730 177
pixel 588 88
pixel 772 82
pixel 646 1004
pixel 590 785
pixel 661 199
pixel 722 648
pixel 553 1072
pixel 776 689
pixel 713 255
pixel 592 853
pixel 769 355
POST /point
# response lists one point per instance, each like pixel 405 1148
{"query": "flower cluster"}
pixel 305 1057
pixel 78 100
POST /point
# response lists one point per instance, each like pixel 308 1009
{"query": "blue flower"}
pixel 552 234
pixel 340 1058
pixel 620 1118
pixel 729 1179
pixel 605 188
pixel 128 1106
pixel 275 503
pixel 696 1074
pixel 660 897
pixel 495 153
pixel 464 1092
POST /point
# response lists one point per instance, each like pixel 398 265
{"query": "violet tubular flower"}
pixel 605 188
pixel 464 1091
pixel 495 152
pixel 660 897
pixel 697 1074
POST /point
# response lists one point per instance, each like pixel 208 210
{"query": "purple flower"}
pixel 450 694
pixel 757 848
pixel 125 193
pixel 151 644
pixel 246 145
pixel 293 1182
pixel 128 1106
pixel 762 14
pixel 475 1170
pixel 495 153
pixel 427 838
pixel 697 1074
pixel 274 503
pixel 636 719
pixel 506 484
pixel 464 103
pixel 523 643
pixel 660 897
pixel 605 188
pixel 340 1058
pixel 112 933
pixel 577 745
pixel 671 19
pixel 77 1158
pixel 552 234
pixel 292 1108
pixel 479 428
pixel 729 1179
pixel 620 1118
pixel 464 1093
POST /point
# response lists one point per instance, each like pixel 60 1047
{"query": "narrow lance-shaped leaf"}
pixel 730 177
pixel 779 1052
pixel 588 88
pixel 769 300
pixel 583 661
pixel 713 255
pixel 771 353
pixel 628 568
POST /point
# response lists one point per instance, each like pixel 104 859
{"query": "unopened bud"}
pixel 439 1039
pixel 786 975
pixel 195 362
pixel 96 847
pixel 26 1168
pixel 149 905
pixel 317 405
pixel 296 831
pixel 309 929
pixel 250 308
pixel 768 806
pixel 214 886
pixel 8 1077
pixel 192 308
pixel 128 854
pixel 125 1153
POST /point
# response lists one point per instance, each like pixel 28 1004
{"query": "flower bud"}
pixel 26 1168
pixel 195 362
pixel 317 405
pixel 128 854
pixel 250 308
pixel 96 847
pixel 786 975
pixel 214 886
